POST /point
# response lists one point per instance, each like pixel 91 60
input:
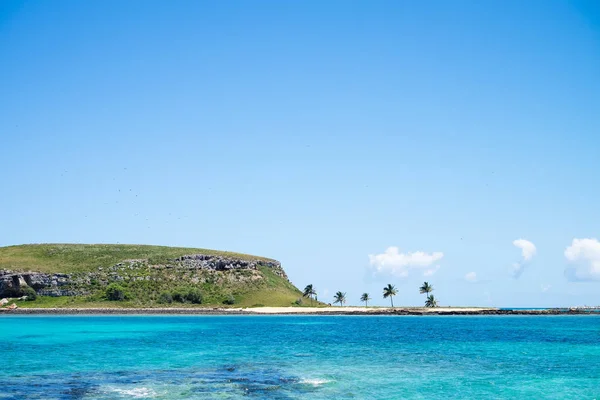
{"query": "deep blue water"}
pixel 298 357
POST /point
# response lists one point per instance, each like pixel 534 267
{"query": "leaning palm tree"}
pixel 339 298
pixel 426 288
pixel 390 291
pixel 309 291
pixel 365 298
pixel 431 301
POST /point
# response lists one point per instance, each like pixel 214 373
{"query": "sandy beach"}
pixel 359 310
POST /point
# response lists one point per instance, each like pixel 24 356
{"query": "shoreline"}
pixel 294 311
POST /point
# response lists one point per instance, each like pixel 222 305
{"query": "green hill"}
pixel 107 275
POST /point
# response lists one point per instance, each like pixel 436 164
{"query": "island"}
pixel 144 279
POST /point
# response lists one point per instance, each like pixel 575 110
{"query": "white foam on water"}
pixel 136 393
pixel 315 382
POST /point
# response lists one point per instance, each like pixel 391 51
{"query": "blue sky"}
pixel 427 135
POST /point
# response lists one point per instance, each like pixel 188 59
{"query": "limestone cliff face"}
pixel 11 283
pixel 216 263
pixel 192 269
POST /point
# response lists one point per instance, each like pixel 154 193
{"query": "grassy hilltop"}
pixel 147 276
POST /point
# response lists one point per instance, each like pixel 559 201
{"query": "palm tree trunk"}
pixel 392 300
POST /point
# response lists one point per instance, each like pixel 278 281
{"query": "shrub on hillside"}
pixel 165 298
pixel 229 300
pixel 116 292
pixel 29 292
pixel 299 302
pixel 194 296
pixel 178 295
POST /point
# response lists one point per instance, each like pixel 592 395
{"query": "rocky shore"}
pixel 290 311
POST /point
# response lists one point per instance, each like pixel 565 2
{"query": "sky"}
pixel 359 143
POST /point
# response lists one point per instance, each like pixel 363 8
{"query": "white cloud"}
pixel 584 255
pixel 471 277
pixel 528 250
pixel 394 263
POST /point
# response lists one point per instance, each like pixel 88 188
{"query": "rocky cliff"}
pixel 193 269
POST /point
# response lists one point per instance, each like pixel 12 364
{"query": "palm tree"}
pixel 431 301
pixel 339 298
pixel 426 288
pixel 390 291
pixel 309 291
pixel 365 298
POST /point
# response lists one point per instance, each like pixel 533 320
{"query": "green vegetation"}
pixel 165 298
pixel 426 288
pixel 68 258
pixel 115 292
pixel 431 301
pixel 340 297
pixel 29 292
pixel 147 276
pixel 390 291
pixel 309 291
pixel 365 299
pixel 194 296
pixel 190 295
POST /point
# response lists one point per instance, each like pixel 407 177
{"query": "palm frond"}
pixel 389 290
pixel 425 288
pixel 431 301
pixel 339 297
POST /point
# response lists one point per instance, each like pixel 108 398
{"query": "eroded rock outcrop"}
pixel 12 282
pixel 194 268
pixel 218 263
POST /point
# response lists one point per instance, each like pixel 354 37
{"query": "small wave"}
pixel 136 393
pixel 315 382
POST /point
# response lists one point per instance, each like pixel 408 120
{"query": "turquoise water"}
pixel 299 357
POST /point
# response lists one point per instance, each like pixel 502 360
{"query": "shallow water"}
pixel 297 357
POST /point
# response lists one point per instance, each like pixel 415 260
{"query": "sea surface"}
pixel 299 357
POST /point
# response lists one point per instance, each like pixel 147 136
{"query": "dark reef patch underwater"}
pixel 225 382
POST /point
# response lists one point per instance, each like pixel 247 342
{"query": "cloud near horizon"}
pixel 471 277
pixel 393 263
pixel 584 255
pixel 528 250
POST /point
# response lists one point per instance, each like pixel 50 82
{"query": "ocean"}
pixel 300 357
